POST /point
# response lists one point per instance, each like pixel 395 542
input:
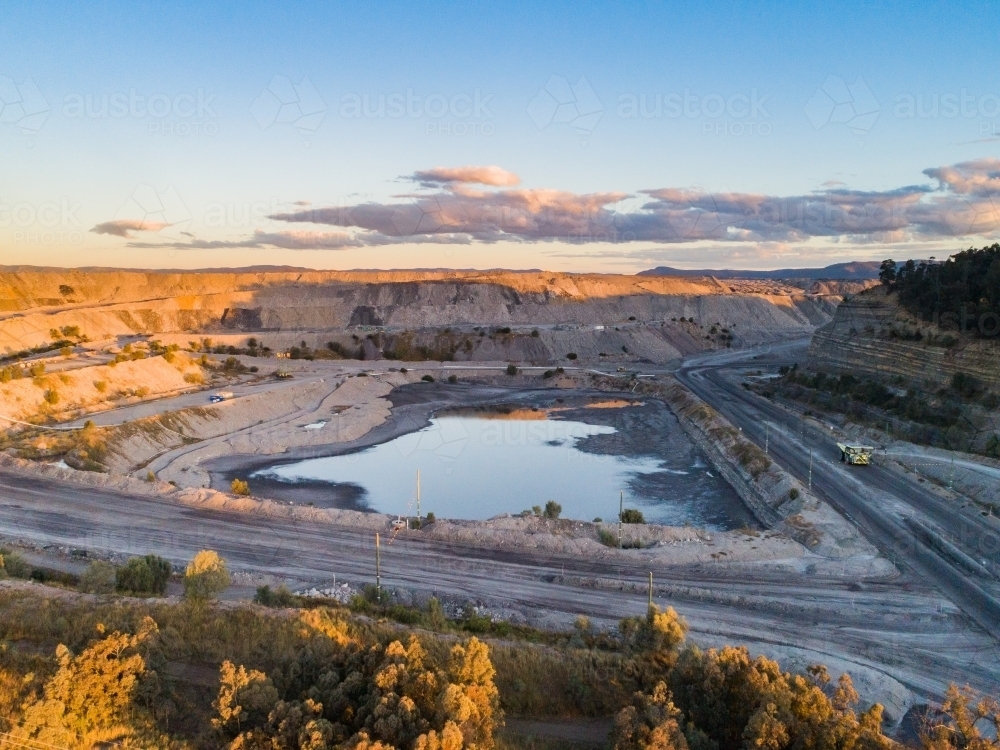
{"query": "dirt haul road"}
pixel 893 636
pixel 951 547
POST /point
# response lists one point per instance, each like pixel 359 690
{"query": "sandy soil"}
pixel 96 387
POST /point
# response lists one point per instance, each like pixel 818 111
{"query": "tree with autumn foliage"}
pixel 374 698
pixel 101 695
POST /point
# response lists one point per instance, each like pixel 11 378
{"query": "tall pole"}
pixel 810 469
pixel 767 436
pixel 621 512
pixel 378 567
pixel 649 602
pixel 418 495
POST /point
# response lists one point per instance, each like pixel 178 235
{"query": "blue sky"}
pixel 630 135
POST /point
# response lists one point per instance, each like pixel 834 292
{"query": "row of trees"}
pixel 966 284
pixel 724 699
pixel 340 683
pixel 340 691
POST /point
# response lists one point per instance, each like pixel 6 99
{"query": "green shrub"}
pixel 428 378
pixel 607 538
pixel 14 565
pixel 631 515
pixel 512 369
pixel 143 576
pixel 552 509
pixel 279 597
pixel 98 578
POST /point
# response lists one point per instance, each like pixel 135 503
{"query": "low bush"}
pixel 280 597
pixel 631 515
pixel 143 576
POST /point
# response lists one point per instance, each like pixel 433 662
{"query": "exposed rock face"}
pixel 108 303
pixel 870 334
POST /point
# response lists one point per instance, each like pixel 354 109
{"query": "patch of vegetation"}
pixel 279 597
pixel 966 285
pixel 239 487
pixel 143 576
pixel 951 417
pixel 78 673
pixel 632 515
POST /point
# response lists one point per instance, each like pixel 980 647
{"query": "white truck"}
pixel 855 453
pixel 220 396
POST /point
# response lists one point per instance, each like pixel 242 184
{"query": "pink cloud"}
pixel 491 175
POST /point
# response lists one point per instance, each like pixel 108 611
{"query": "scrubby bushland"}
pixel 78 673
pixel 953 416
pixel 310 681
pixel 967 282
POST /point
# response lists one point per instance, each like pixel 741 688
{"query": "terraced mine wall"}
pixel 871 335
pixel 107 303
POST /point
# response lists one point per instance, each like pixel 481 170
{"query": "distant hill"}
pixel 856 271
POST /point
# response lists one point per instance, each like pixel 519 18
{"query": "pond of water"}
pixel 479 467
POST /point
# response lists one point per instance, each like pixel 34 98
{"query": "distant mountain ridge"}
pixel 854 271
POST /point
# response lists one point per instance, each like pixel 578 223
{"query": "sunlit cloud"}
pixel 125 227
pixel 472 205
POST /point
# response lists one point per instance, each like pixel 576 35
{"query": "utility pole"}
pixel 418 497
pixel 810 469
pixel 649 602
pixel 378 567
pixel 951 482
pixel 621 512
pixel 767 437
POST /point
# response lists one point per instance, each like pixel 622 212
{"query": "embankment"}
pixel 778 500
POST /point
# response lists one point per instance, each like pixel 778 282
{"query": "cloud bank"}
pixel 469 205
